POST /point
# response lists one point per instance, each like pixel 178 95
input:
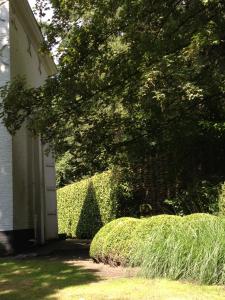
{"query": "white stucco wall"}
pixel 33 172
pixel 27 176
pixel 6 196
pixel 24 62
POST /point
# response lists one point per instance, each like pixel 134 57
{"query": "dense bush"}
pixel 116 242
pixel 222 199
pixel 84 207
pixel 111 243
pixel 194 249
pixel 201 197
pixel 189 248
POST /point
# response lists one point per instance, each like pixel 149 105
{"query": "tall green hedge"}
pixel 85 206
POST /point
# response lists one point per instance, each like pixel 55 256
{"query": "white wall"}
pixel 33 172
pixel 6 197
pixel 27 176
pixel 24 62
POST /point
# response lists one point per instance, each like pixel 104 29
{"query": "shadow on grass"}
pixel 39 278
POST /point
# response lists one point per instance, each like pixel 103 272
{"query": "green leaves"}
pixel 136 79
pixel 85 206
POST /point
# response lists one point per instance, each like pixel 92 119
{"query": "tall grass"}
pixel 193 248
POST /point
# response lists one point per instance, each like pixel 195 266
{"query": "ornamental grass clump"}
pixel 192 248
pixel 145 228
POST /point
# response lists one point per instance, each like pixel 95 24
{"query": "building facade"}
pixel 28 210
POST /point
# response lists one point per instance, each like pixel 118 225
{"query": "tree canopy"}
pixel 136 79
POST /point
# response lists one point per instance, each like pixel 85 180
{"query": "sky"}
pixel 49 13
pixel 47 17
pixel 31 2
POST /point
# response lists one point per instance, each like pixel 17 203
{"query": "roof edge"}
pixel 28 21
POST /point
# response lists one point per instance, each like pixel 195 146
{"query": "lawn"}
pixel 52 279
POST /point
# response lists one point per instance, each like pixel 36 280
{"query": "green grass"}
pixel 193 249
pixel 51 279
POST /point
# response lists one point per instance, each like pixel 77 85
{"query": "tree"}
pixel 140 83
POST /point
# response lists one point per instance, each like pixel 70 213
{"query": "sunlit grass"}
pixel 52 279
pixel 192 249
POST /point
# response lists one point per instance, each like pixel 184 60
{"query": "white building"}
pixel 27 176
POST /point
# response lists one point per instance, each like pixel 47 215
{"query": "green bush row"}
pixel 115 242
pixel 84 207
pixel 189 248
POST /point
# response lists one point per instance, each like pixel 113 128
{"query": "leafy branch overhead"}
pixel 134 77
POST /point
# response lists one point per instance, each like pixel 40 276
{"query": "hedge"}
pixel 85 206
pixel 188 248
pixel 111 243
pixel 115 242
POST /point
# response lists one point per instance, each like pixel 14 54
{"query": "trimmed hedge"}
pixel 188 248
pixel 115 242
pixel 84 207
pixel 111 243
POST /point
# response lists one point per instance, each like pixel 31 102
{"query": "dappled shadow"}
pixel 90 218
pixel 66 249
pixel 40 278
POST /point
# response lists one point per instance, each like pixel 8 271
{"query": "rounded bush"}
pixel 144 229
pixel 110 244
pixel 189 248
pixel 119 240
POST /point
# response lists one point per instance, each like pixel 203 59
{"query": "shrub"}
pixel 111 243
pixel 222 199
pixel 193 249
pixel 189 248
pixel 200 197
pixel 144 229
pixel 84 207
pixel 119 240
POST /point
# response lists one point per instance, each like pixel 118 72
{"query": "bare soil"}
pixel 76 253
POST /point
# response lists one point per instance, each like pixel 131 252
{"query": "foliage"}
pixel 119 240
pixel 222 199
pixel 64 170
pixel 85 206
pixel 202 197
pixel 111 243
pixel 188 248
pixel 191 250
pixel 140 85
pixel 144 229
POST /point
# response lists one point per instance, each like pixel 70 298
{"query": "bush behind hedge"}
pixel 85 206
